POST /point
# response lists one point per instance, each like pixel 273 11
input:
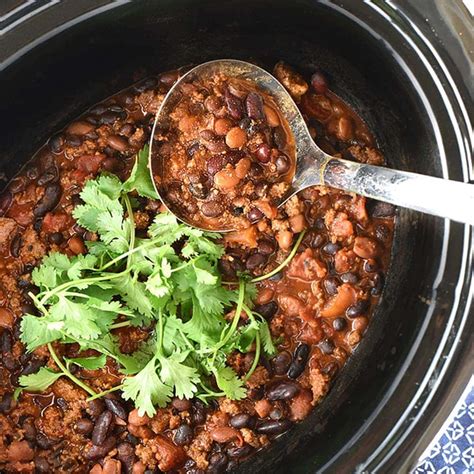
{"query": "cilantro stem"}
pixel 122 324
pixel 128 206
pixel 256 358
pixel 105 392
pixel 282 264
pixel 68 374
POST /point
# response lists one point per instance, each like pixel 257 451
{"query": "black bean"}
pixel 116 408
pixel 97 452
pixel 32 172
pixel 381 209
pixel 56 143
pixel 101 427
pixel 29 429
pixel 240 452
pixel 41 465
pixel 146 84
pixel 98 109
pixel 43 441
pixel 273 427
pixel 6 341
pixel 382 232
pixel 349 278
pixel 17 184
pixel 331 285
pixel 184 435
pixel 6 402
pixel 62 403
pixel 242 420
pixel 282 164
pixel 32 366
pixel 108 118
pixel 370 265
pixel 276 414
pixel 281 363
pixel 56 238
pixel 327 346
pixel 10 362
pixel 256 393
pixel 319 82
pixel 358 308
pixel 331 248
pixel 254 261
pixel 266 246
pixel 49 176
pixel 282 390
pixel 277 277
pixel 50 199
pixel 74 140
pixel 267 310
pixel 254 106
pixel 84 426
pixel 192 149
pixel 198 416
pixel 300 358
pixel 15 246
pixel 126 455
pixel 339 324
pixel 211 208
pixel 5 202
pixel 217 463
pixel 279 137
pixel 234 105
pixel 379 282
pixel 330 369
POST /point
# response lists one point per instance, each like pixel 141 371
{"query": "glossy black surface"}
pixel 405 376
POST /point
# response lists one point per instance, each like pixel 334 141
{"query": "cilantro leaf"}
pixel 178 375
pixel 39 381
pixel 140 178
pixel 228 381
pixel 90 363
pixel 36 331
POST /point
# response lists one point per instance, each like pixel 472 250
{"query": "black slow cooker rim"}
pixel 409 438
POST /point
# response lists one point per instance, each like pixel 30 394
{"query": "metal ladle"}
pixel 437 196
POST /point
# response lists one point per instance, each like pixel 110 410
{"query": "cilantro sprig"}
pixel 167 281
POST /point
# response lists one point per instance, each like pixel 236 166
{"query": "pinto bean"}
pixel 284 239
pixel 76 245
pixel 101 427
pixel 222 126
pixel 169 455
pixel 112 466
pixel 20 451
pixel 236 138
pixel 226 179
pixel 273 427
pixel 84 426
pixel 50 199
pixel 80 127
pixel 272 116
pixel 224 434
pixel 366 247
pixel 134 418
pixel 6 318
pixel 284 390
pixel 212 208
pixel 181 404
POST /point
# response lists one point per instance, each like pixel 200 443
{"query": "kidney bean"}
pixel 101 427
pixel 360 307
pixel 19 451
pixel 267 311
pixel 254 261
pixel 242 420
pixel 181 404
pixel 96 452
pixel 266 246
pixel 255 214
pixel 212 208
pixel 84 426
pixel 184 435
pixel 50 199
pixel 273 427
pixel 254 106
pixel 43 441
pixel 319 82
pixel 224 434
pixel 134 418
pixel 116 408
pixel 126 454
pixel 349 278
pixel 283 390
pixel 339 324
pixel 282 164
pixel 214 105
pixel 170 455
pixel 234 105
pixel 381 209
pixel 263 153
pixel 216 146
pixel 300 358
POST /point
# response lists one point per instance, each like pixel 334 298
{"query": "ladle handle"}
pixel 440 197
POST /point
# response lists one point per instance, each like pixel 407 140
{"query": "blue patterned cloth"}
pixel 453 450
